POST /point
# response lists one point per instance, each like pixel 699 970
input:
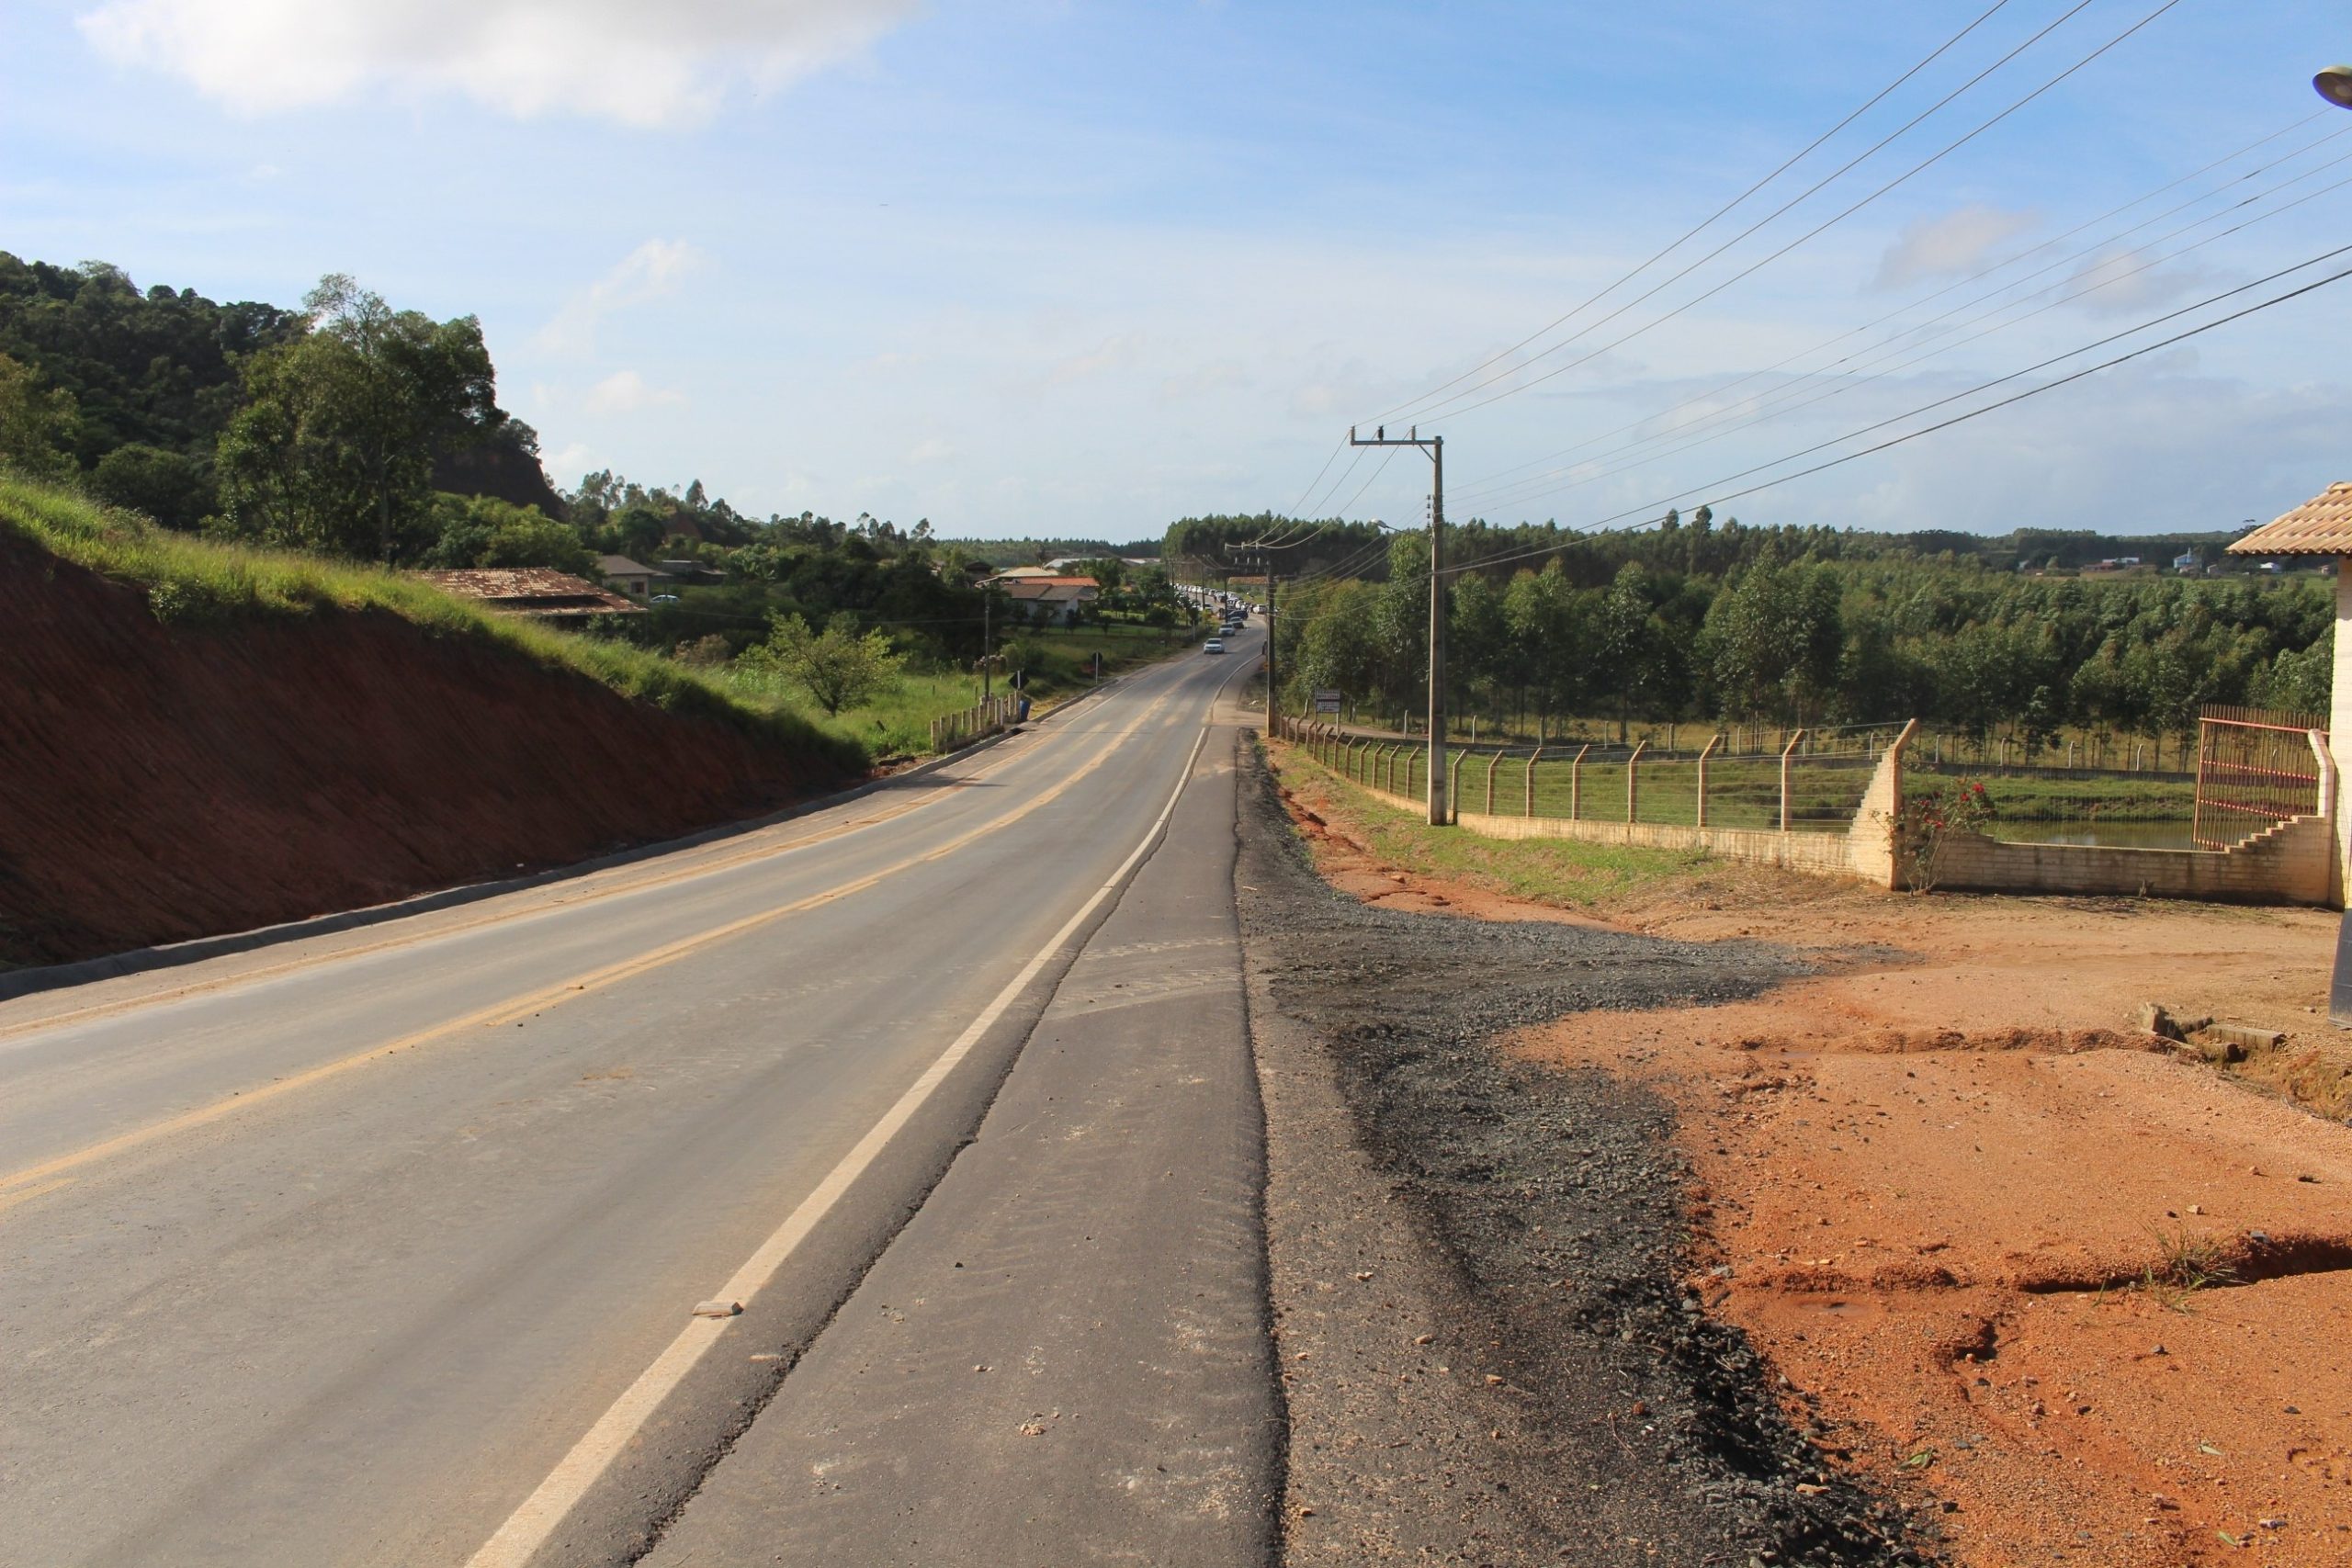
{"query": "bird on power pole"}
pixel 1441 811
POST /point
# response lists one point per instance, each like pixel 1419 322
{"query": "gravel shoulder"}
pixel 1489 1351
pixel 2061 1287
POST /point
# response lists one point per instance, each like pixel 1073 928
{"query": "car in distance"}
pixel 1212 646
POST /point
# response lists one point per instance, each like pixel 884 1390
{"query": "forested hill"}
pixel 1698 544
pixel 141 384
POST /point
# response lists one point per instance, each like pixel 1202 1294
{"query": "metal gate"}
pixel 2255 769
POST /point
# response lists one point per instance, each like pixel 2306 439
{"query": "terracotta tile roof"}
pixel 2320 526
pixel 531 590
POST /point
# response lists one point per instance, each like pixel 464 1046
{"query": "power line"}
pixel 1788 403
pixel 1442 410
pixel 1498 479
pixel 1959 419
pixel 1712 217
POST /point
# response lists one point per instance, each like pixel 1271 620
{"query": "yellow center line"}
pixel 573 899
pixel 10 1200
pixel 512 1009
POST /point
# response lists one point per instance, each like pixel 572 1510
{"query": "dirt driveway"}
pixel 2013 1261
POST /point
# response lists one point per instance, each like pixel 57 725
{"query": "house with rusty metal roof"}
pixel 541 594
pixel 2323 527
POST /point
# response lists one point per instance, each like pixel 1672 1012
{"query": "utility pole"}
pixel 1260 560
pixel 1440 812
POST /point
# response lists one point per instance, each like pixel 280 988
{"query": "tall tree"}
pixel 334 447
pixel 35 423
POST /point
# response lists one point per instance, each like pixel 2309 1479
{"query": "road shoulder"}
pixel 1487 1350
pixel 1064 1356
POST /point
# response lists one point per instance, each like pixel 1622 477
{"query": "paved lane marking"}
pixel 511 1009
pixel 10 1200
pixel 577 897
pixel 528 1527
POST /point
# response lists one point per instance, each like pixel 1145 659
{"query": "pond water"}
pixel 2171 835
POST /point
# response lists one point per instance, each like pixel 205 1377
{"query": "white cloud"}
pixel 2116 282
pixel 647 272
pixel 625 391
pixel 1218 375
pixel 1939 247
pixel 1115 354
pixel 570 460
pixel 640 63
pixel 934 450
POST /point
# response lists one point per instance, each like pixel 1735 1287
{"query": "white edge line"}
pixel 528 1527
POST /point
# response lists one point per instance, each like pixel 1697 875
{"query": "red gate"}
pixel 2255 769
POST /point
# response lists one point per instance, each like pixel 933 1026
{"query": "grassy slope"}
pixel 899 720
pixel 189 579
pixel 1567 872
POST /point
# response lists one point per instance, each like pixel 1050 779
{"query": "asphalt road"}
pixel 386 1247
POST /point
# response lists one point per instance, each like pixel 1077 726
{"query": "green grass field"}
pixel 1563 871
pixel 1741 793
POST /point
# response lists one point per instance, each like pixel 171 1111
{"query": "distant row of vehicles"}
pixel 1236 618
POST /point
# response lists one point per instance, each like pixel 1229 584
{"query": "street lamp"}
pixel 2335 85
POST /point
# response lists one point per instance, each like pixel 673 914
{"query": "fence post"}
pixel 1454 787
pixel 1714 741
pixel 1785 752
pixel 1492 765
pixel 1575 784
pixel 1528 807
pixel 1633 780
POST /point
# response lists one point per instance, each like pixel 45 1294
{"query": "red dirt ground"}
pixel 2015 1261
pixel 162 782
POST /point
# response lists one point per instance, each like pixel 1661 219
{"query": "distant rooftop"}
pixel 531 590
pixel 2320 526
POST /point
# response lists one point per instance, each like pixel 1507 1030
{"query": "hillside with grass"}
pixel 204 738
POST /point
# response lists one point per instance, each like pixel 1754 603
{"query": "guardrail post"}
pixel 1785 752
pixel 1527 807
pixel 1633 780
pixel 1706 751
pixel 1575 784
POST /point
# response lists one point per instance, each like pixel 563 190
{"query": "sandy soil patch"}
pixel 2015 1261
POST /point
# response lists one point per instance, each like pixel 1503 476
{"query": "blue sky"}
pixel 1080 269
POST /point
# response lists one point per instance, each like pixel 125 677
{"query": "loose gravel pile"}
pixel 1634 1429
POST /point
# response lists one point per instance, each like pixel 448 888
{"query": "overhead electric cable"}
pixel 1517 491
pixel 1943 153
pixel 1498 477
pixel 1712 217
pixel 1714 496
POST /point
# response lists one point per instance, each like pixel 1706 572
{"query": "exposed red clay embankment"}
pixel 160 783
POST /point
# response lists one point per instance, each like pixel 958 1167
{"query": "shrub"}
pixel 1931 819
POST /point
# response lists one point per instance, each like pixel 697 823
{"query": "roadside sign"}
pixel 1327 700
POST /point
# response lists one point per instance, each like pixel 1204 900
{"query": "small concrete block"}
pixel 2245 1036
pixel 718 1308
